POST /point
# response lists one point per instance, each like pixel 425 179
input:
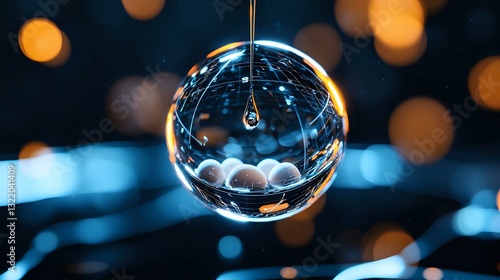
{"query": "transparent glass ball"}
pixel 262 156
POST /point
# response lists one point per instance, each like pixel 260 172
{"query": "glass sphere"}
pixel 261 151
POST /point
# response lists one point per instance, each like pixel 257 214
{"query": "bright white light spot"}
pixel 469 221
pixel 392 267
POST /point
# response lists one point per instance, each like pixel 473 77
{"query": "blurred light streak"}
pixel 141 162
pixel 349 172
pixel 46 241
pixel 377 161
pixel 40 39
pixel 391 267
pixel 162 212
pixel 438 234
pixel 93 169
pixel 327 270
pixel 321 42
pixel 36 159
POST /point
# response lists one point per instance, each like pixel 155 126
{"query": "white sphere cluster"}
pixel 237 175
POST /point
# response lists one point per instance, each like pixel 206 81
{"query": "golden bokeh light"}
pixel 498 200
pixel 390 243
pixel 293 233
pixel 289 273
pixel 143 9
pixel 434 6
pixel 122 98
pixel 401 57
pixel 376 238
pixel 136 105
pixel 433 273
pixel 398 27
pixel 213 136
pixel 401 32
pixel 421 129
pixel 40 39
pixel 63 56
pixel 321 42
pixel 483 83
pixel 151 111
pixel 33 149
pixel 352 17
pixel 382 13
pixel 36 159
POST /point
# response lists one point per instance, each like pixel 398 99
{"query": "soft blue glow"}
pixel 92 231
pixel 469 221
pixel 349 172
pixel 282 88
pixel 46 241
pixel 392 267
pixel 484 198
pixel 467 180
pixel 107 175
pixel 230 247
pixel 380 165
pixel 59 180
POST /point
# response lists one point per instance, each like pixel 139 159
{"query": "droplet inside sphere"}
pixel 291 115
pixel 284 174
pixel 211 171
pixel 247 176
pixel 267 165
pixel 229 164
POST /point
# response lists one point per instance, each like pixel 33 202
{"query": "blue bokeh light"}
pixel 230 247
